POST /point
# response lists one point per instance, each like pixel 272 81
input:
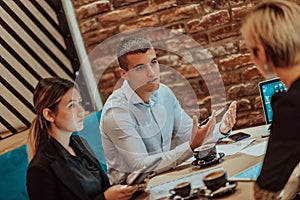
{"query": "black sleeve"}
pixel 100 197
pixel 283 150
pixel 41 184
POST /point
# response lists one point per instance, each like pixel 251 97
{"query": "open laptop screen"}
pixel 267 88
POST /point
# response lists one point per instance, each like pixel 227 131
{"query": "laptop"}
pixel 266 89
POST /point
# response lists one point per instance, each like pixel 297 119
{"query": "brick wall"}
pixel 213 24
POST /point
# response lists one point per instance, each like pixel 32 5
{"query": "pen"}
pixel 203 122
pixel 206 120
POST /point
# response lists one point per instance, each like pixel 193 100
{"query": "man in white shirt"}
pixel 140 119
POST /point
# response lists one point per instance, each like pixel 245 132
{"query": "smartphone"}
pixel 239 136
pixel 206 120
pixel 139 175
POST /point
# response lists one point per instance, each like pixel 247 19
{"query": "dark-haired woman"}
pixel 63 166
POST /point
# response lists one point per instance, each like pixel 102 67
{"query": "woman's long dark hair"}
pixel 47 94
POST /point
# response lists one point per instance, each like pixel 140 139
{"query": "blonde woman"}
pixel 62 166
pixel 272 34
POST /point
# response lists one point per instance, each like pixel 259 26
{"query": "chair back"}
pixel 91 132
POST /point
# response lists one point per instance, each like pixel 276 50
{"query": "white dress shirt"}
pixel 135 133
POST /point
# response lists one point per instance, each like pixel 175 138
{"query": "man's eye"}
pixel 141 67
pixel 154 62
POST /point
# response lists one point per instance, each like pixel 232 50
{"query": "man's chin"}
pixel 152 87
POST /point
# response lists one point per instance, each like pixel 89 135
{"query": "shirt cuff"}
pixel 226 134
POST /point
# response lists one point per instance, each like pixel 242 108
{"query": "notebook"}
pixel 267 89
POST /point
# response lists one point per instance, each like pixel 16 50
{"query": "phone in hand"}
pixel 239 136
pixel 139 175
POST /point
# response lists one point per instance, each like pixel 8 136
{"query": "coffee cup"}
pixel 205 152
pixel 182 189
pixel 216 179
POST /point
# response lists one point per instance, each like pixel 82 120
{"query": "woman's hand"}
pixel 229 118
pixel 117 192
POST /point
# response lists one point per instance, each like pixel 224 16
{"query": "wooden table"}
pixel 233 164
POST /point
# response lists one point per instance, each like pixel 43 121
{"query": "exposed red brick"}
pixel 92 9
pixel 89 25
pixel 167 77
pixel 121 3
pixel 239 13
pixel 102 63
pixel 224 49
pixel 180 13
pixel 169 60
pixel 251 73
pixel 244 104
pixel 201 38
pixel 188 71
pixel 208 21
pixel 257 102
pixel 180 43
pixel 116 17
pixel 207 68
pixel 177 28
pixel 242 45
pixel 220 3
pixel 148 7
pixel 246 119
pixel 236 2
pixel 147 21
pixel 183 2
pixel 234 61
pixel 183 60
pixel 107 80
pixel 231 78
pixel 241 90
pixel 77 3
pixel 225 32
pixel 99 35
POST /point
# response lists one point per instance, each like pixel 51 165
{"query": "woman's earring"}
pixel 266 67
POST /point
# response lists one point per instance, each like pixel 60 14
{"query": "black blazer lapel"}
pixel 68 179
pixel 88 152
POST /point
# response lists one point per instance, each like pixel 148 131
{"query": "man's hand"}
pixel 229 118
pixel 200 133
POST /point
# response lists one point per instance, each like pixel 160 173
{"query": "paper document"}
pixel 230 149
pixel 256 150
pixel 162 190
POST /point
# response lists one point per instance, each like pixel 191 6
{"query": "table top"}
pixel 233 164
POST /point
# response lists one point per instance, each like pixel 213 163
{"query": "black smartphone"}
pixel 239 136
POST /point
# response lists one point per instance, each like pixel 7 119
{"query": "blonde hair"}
pixel 275 24
pixel 47 94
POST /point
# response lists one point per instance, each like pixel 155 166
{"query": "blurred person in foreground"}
pixel 143 120
pixel 272 34
pixel 62 166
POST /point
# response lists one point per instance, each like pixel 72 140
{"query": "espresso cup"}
pixel 216 179
pixel 205 152
pixel 182 189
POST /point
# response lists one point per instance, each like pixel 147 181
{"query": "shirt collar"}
pixel 134 98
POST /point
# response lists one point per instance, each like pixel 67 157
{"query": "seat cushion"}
pixel 13 167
